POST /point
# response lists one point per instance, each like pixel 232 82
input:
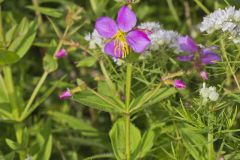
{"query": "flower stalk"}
pixel 127 115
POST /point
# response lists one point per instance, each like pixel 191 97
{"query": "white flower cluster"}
pixel 226 20
pixel 159 37
pixel 209 93
pixel 150 26
pixel 95 40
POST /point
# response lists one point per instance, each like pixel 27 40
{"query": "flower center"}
pixel 121 48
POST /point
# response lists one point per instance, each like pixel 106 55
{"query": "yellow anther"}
pixel 121 48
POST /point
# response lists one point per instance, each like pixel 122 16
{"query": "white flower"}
pixel 95 40
pixel 159 37
pixel 225 20
pixel 209 93
pixel 150 26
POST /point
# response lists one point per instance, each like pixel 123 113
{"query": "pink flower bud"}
pixel 65 94
pixel 179 84
pixel 221 158
pixel 62 53
pixel 204 75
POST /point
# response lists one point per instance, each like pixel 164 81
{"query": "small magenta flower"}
pixel 204 75
pixel 65 94
pixel 60 54
pixel 179 84
pixel 121 35
pixel 201 56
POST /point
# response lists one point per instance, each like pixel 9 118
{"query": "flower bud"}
pixel 65 94
pixel 204 75
pixel 179 84
pixel 60 54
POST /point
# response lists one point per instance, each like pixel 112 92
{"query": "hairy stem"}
pixel 127 115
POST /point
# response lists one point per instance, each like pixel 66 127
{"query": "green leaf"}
pixel 9 156
pixel 3 91
pixel 10 34
pixel 71 121
pixel 87 62
pixel 56 29
pixel 117 136
pixel 13 145
pixel 46 11
pixel 95 100
pixel 98 6
pixel 25 137
pixel 195 144
pixel 150 98
pixel 46 154
pixel 8 57
pixel 23 38
pixel 145 145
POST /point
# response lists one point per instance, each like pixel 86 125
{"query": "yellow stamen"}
pixel 120 44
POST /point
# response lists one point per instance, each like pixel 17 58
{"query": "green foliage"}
pixel 18 40
pixel 115 111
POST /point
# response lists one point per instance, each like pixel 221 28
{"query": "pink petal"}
pixel 65 94
pixel 179 84
pixel 204 75
pixel 111 50
pixel 106 27
pixel 138 40
pixel 126 19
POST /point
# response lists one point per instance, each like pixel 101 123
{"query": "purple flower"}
pixel 187 44
pixel 121 34
pixel 65 94
pixel 207 56
pixel 204 75
pixel 60 54
pixel 203 56
pixel 179 84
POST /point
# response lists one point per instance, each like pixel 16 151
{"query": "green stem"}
pixel 127 115
pixel 61 41
pixel 34 94
pixel 202 6
pixel 210 136
pixel 42 80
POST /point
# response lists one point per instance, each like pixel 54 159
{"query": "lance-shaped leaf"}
pixel 151 97
pixel 145 145
pixel 117 135
pixel 95 100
